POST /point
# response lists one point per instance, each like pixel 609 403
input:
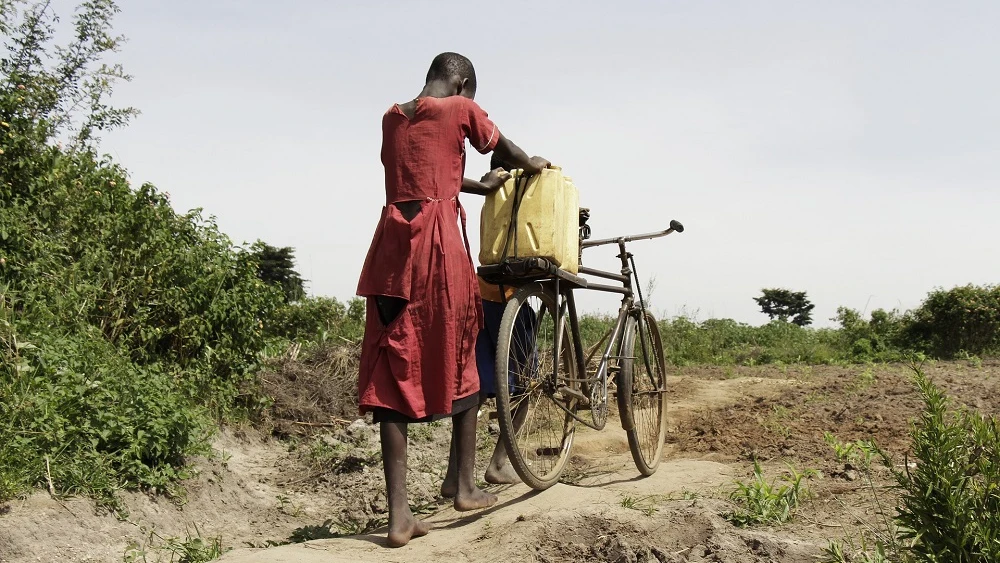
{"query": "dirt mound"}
pixel 313 390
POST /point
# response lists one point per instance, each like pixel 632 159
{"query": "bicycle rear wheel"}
pixel 532 408
pixel 641 386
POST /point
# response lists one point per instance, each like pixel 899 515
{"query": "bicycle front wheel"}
pixel 533 408
pixel 641 387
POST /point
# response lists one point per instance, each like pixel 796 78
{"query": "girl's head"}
pixel 455 73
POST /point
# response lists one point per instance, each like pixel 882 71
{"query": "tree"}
pixel 276 266
pixel 784 304
pixel 51 93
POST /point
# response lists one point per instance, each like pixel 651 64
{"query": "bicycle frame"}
pixel 566 306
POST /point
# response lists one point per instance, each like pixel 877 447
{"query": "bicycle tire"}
pixel 640 389
pixel 537 433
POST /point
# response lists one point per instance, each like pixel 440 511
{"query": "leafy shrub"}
pixel 79 414
pixel 123 325
pixel 879 339
pixel 961 319
pixel 317 319
pixel 950 504
pixel 725 341
pixel 160 287
pixel 593 328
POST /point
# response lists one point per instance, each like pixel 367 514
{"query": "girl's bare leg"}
pixel 468 496
pixel 402 525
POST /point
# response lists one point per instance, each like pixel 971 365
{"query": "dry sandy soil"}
pixel 263 498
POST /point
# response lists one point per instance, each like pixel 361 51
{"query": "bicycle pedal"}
pixel 494 415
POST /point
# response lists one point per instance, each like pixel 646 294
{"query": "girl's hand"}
pixel 495 178
pixel 537 164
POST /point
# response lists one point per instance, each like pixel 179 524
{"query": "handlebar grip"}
pixel 676 225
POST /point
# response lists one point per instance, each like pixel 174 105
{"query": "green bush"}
pixel 962 319
pixel 727 342
pixel 879 339
pixel 317 319
pixel 79 413
pixel 950 505
pixel 162 288
pixel 593 328
pixel 123 325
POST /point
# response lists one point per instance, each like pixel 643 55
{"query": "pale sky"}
pixel 847 149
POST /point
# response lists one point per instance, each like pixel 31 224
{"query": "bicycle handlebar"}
pixel 675 226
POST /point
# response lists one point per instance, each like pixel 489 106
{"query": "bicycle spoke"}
pixel 537 431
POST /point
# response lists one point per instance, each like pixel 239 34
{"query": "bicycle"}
pixel 548 384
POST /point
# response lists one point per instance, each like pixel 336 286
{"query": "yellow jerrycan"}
pixel 548 220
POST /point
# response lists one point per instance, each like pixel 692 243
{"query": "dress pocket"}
pixel 389 309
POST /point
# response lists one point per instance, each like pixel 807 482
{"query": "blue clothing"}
pixel 486 344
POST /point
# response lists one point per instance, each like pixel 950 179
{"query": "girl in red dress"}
pixel 418 359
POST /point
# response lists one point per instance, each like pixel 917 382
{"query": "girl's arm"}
pixel 490 182
pixel 517 158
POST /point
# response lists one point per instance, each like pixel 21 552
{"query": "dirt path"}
pixel 609 513
pixel 520 523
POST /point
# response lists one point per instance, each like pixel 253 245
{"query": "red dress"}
pixel 425 358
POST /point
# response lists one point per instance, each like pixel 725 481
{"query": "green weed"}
pixel 972 359
pixel 313 532
pixel 865 379
pixel 287 506
pixel 775 422
pixel 841 449
pixel 421 432
pixel 949 508
pixel 645 504
pixel 760 502
pixel 847 552
pixel 190 549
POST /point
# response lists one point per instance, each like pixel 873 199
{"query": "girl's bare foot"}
pixel 503 474
pixel 450 486
pixel 475 500
pixel 500 471
pixel 405 529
